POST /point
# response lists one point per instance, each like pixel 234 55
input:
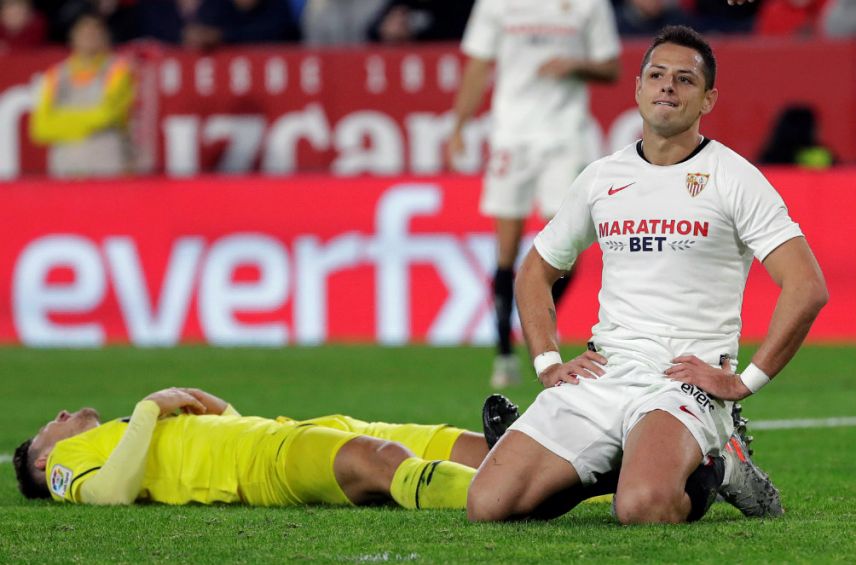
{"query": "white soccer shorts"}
pixel 587 424
pixel 520 176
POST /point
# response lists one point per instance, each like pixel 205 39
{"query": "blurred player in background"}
pixel 211 454
pixel 545 52
pixel 83 107
pixel 679 218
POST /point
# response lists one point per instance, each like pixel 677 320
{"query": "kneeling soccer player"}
pixel 650 402
pixel 212 454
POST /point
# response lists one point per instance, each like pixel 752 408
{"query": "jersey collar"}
pixel 696 151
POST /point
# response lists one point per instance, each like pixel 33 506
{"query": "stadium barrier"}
pixel 385 111
pixel 312 259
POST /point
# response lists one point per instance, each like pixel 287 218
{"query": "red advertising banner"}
pixel 385 111
pixel 261 261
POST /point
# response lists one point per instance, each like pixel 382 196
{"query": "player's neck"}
pixel 659 150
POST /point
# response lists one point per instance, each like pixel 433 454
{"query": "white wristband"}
pixel 754 378
pixel 547 359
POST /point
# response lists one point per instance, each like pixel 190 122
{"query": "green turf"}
pixel 815 468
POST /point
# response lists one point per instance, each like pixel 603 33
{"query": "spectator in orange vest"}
pixel 83 107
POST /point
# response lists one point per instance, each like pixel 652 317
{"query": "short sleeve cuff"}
pixel 476 51
pixel 605 55
pixel 783 236
pixel 549 257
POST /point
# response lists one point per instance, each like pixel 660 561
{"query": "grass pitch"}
pixel 814 468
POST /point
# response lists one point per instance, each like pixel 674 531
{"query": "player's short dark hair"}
pixel 24 470
pixel 685 37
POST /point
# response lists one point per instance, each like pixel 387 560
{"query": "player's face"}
pixel 65 425
pixel 671 92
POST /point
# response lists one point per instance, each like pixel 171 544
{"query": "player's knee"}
pixel 365 465
pixel 488 503
pixel 379 459
pixel 482 506
pixel 390 454
pixel 648 504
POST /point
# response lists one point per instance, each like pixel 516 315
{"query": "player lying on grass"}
pixel 211 454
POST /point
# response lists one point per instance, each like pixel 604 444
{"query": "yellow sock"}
pixel 597 499
pixel 418 483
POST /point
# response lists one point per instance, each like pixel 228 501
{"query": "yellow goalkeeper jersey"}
pixel 203 459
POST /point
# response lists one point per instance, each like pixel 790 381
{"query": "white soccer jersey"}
pixel 677 242
pixel 521 35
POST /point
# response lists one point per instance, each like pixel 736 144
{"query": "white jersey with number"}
pixel 677 244
pixel 521 35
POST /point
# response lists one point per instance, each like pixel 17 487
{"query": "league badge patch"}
pixel 60 480
pixel 696 183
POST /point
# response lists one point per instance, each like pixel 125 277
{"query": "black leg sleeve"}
pixel 503 301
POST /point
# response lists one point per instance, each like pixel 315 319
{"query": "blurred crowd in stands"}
pixel 205 24
pixel 82 108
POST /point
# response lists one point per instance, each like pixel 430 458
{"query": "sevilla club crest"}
pixel 696 183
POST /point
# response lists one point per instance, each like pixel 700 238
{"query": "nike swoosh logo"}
pixel 684 408
pixel 612 191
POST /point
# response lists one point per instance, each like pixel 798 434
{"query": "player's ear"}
pixel 638 89
pixel 41 461
pixel 709 100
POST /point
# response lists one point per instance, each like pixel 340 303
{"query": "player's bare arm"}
pixel 594 71
pixel 538 316
pixel 795 270
pixel 537 310
pixel 213 404
pixel 174 399
pixel 473 85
